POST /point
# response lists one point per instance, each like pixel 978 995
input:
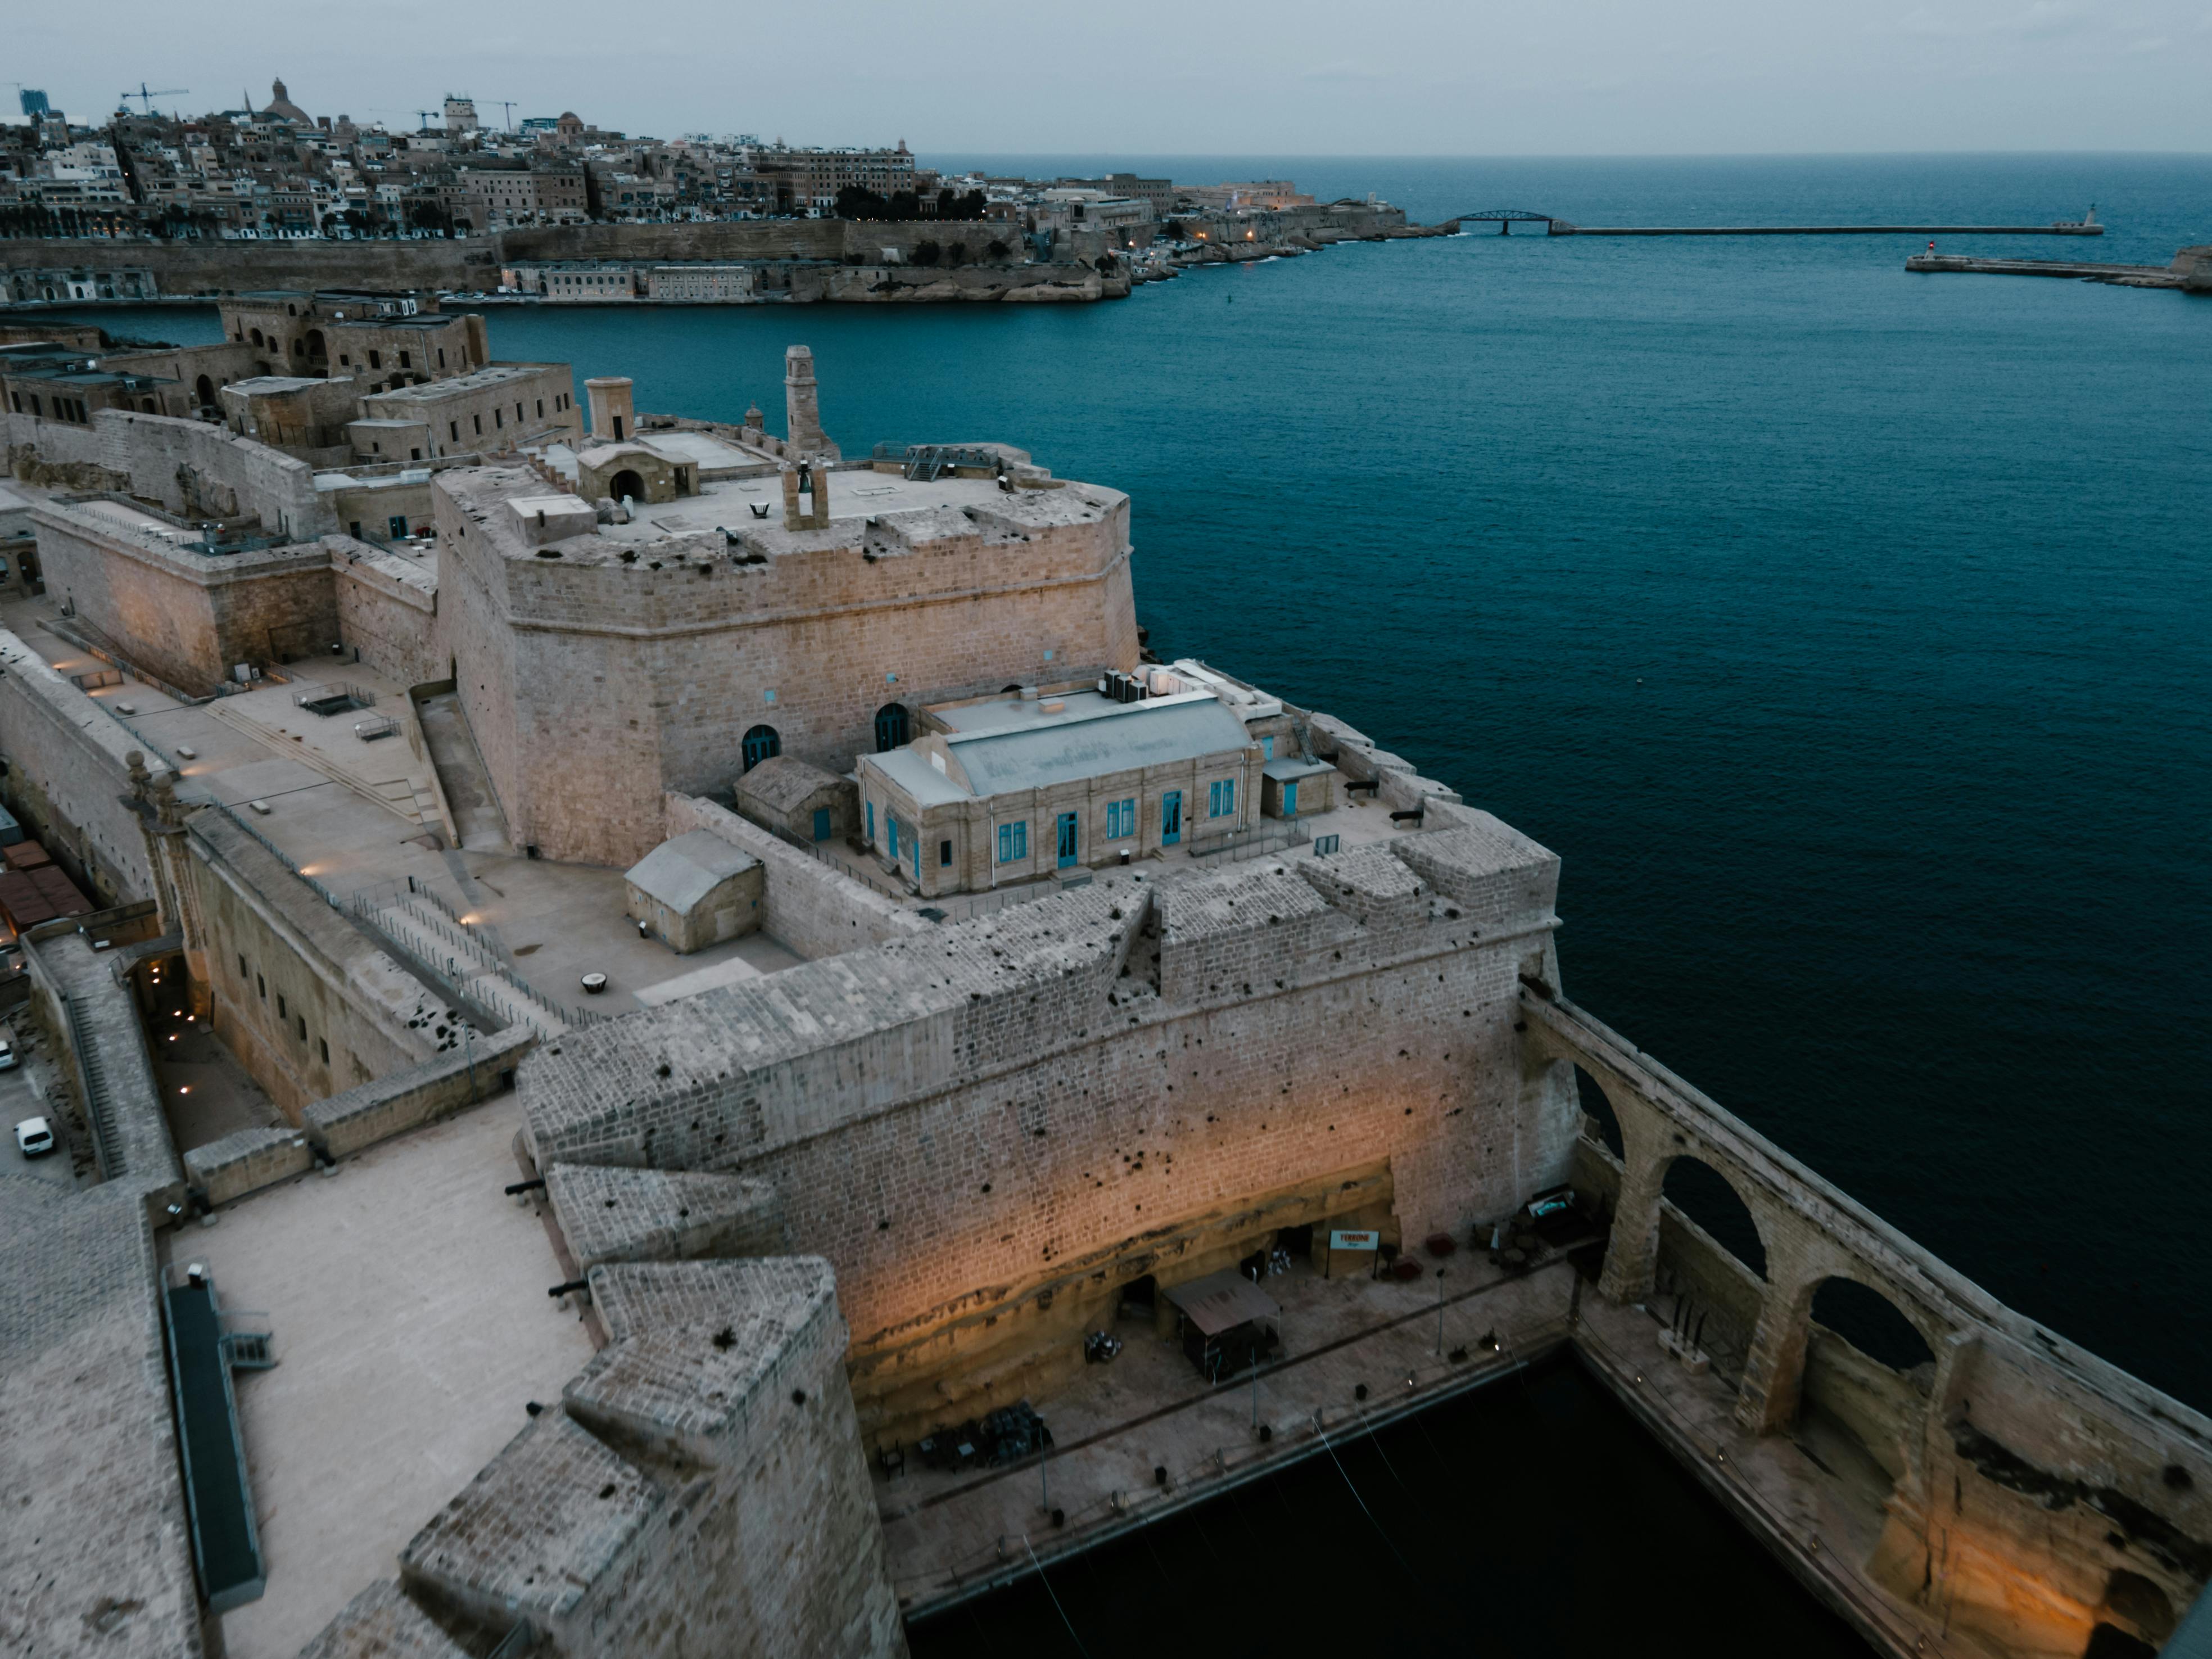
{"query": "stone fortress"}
pixel 873 976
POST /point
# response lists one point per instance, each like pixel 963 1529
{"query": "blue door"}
pixel 1291 798
pixel 1066 839
pixel 1172 817
pixel 890 828
pixel 821 824
pixel 913 853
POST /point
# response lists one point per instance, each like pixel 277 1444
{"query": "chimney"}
pixel 612 418
pixel 802 412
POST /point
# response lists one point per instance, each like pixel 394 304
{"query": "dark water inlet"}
pixel 1532 1517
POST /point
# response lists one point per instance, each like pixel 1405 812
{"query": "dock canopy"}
pixel 1221 1301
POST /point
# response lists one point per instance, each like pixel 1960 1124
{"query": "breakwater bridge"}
pixel 1506 218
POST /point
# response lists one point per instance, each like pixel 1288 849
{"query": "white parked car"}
pixel 34 1137
pixel 9 1058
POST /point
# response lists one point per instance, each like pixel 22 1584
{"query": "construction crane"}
pixel 424 115
pixel 507 104
pixel 147 94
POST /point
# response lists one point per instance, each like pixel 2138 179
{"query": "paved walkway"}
pixel 952 1535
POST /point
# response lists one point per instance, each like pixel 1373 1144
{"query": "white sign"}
pixel 1354 1241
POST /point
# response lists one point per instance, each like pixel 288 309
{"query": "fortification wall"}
pixel 219 267
pixel 991 1125
pixel 184 617
pixel 196 469
pixel 305 1001
pixel 387 608
pixel 699 1489
pixel 806 905
pixel 55 452
pixel 592 686
pixel 69 777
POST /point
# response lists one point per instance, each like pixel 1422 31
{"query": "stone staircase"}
pixel 463 959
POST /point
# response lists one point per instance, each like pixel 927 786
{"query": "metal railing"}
pixel 369 903
pixel 1253 843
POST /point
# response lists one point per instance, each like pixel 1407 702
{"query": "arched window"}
pixel 761 743
pixel 257 337
pixel 890 727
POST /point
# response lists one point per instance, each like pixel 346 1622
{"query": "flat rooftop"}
pixel 400 1373
pixel 356 814
pixel 461 385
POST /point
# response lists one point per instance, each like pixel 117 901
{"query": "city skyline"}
pixel 1593 77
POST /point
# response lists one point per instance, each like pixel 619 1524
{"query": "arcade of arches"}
pixel 2003 1484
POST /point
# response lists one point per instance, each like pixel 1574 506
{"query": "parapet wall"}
pixel 69 776
pixel 701 1488
pixel 199 469
pixel 400 1101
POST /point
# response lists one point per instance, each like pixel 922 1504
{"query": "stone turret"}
pixel 802 413
pixel 612 417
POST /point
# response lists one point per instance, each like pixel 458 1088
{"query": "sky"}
pixel 1224 77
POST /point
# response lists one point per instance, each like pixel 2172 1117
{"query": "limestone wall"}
pixel 593 685
pixel 187 617
pixel 980 1121
pixel 306 1001
pixel 67 780
pixel 245 1161
pixel 220 267
pixel 387 608
pixel 701 1489
pixel 807 906
pixel 198 470
pixel 399 1100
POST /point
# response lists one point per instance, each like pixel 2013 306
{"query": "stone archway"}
pixel 626 485
pixel 204 389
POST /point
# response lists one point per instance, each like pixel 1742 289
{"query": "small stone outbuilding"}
pixel 695 891
pixel 635 472
pixel 1291 787
pixel 801 801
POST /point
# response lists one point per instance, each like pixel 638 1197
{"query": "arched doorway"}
pixel 761 743
pixel 892 728
pixel 204 389
pixel 256 338
pixel 318 352
pixel 627 486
